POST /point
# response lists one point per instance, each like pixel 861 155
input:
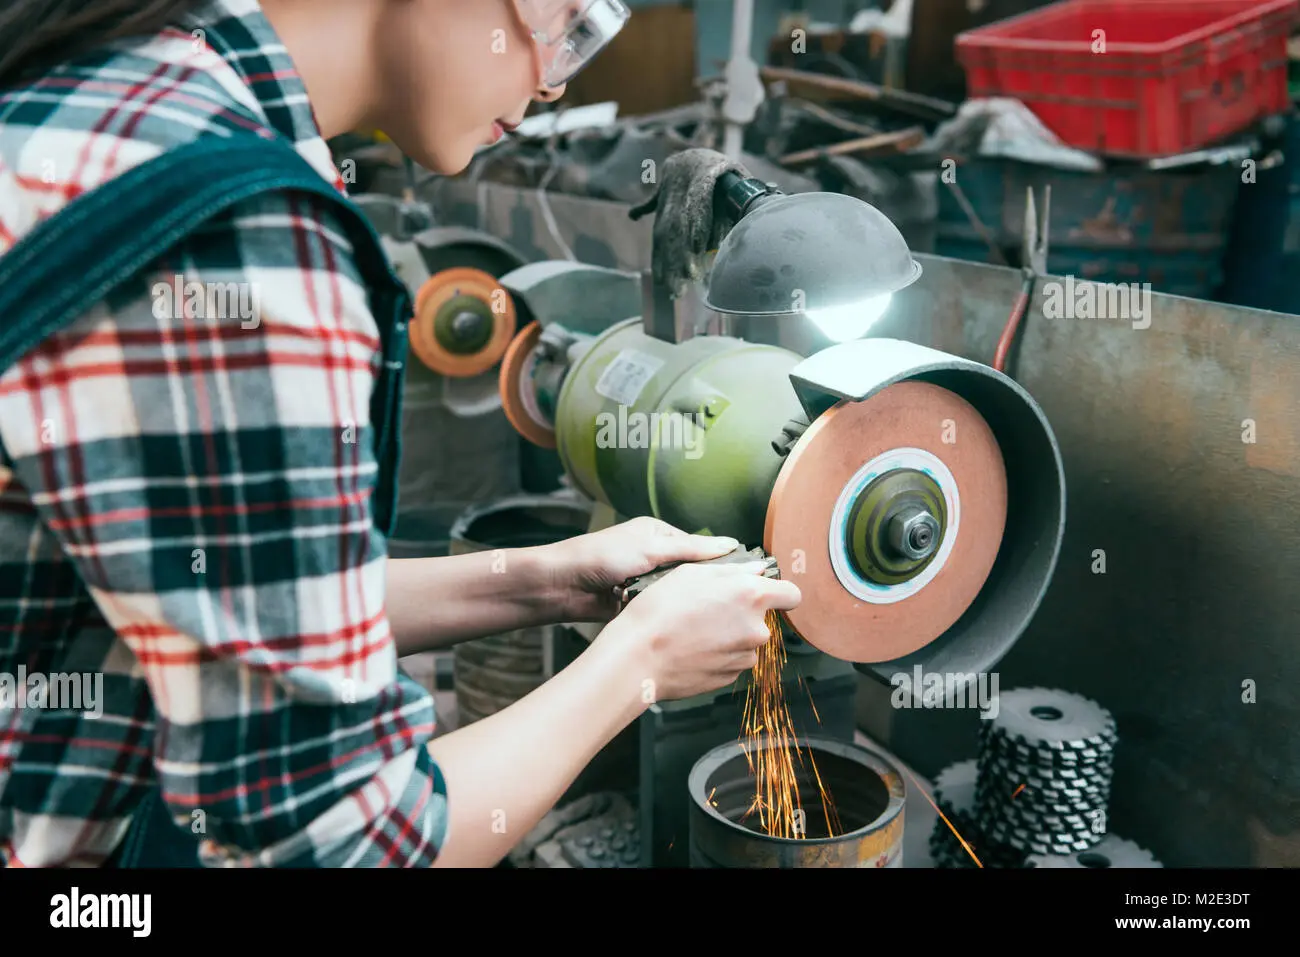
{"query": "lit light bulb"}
pixel 842 323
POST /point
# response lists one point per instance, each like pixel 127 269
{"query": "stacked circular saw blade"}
pixel 1045 770
pixel 1039 791
pixel 954 793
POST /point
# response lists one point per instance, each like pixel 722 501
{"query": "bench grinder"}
pixel 916 498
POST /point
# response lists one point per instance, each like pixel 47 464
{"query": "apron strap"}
pixel 80 255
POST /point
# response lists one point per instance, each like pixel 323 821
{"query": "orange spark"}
pixel 777 798
pixel 956 833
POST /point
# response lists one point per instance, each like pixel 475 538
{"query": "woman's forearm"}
pixel 505 772
pixel 437 602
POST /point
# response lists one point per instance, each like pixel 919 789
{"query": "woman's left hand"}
pixel 591 566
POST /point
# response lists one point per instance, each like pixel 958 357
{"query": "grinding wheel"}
pixel 472 294
pixel 909 428
pixel 520 403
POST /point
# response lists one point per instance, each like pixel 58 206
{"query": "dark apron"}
pixel 124 226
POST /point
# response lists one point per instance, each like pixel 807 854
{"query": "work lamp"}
pixel 829 257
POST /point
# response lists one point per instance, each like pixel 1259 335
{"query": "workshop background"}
pixel 1171 159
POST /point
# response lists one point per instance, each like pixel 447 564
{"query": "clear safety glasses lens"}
pixel 569 33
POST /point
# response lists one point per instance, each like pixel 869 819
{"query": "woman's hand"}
pixel 699 627
pixel 588 568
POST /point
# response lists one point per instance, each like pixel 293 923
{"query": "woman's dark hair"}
pixel 39 34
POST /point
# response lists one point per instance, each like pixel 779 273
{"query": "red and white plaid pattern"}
pixel 184 500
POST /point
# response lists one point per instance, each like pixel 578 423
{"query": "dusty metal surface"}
pixel 1175 602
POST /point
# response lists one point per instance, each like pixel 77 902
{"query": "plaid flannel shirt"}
pixel 178 514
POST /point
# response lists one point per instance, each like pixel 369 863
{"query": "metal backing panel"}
pixel 1199 532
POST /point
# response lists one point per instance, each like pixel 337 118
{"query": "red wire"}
pixel 1009 331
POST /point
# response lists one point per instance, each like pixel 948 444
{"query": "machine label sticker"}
pixel 625 377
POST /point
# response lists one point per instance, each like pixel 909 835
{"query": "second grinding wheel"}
pixel 518 398
pixel 463 323
pixel 888 514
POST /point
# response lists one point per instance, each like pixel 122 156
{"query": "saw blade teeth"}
pixel 1053 721
pixel 955 786
pixel 1072 799
pixel 949 853
pixel 1000 766
pixel 1042 822
pixel 1036 792
pixel 1088 752
pixel 1112 852
pixel 1043 844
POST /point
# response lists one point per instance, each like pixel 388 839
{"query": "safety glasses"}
pixel 569 33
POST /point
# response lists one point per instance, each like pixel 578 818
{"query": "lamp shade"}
pixel 808 252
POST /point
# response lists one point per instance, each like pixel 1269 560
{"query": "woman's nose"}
pixel 549 94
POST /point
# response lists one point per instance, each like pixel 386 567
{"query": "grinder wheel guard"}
pixel 463 323
pixel 888 514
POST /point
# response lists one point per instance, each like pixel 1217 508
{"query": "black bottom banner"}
pixel 306 907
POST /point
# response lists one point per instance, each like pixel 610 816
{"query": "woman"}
pixel 188 499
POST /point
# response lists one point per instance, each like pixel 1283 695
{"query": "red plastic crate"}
pixel 1175 75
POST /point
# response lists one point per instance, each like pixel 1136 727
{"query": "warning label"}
pixel 625 377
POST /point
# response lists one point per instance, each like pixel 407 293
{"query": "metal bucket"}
pixel 867 790
pixel 493 673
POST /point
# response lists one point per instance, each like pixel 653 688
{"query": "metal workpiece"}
pixel 738 556
pixel 681 431
pixel 866 789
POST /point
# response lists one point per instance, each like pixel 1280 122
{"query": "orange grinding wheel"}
pixel 911 426
pixel 468 291
pixel 517 396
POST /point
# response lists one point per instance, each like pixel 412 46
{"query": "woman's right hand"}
pixel 700 626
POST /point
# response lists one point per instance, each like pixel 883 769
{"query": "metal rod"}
pixel 742 36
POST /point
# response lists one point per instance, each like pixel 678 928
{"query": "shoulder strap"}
pixel 78 256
